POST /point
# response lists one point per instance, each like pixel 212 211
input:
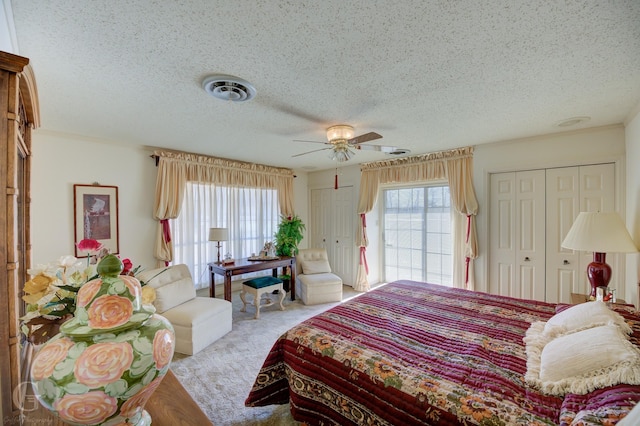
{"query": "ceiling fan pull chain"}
pixel 335 181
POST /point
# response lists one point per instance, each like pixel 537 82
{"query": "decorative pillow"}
pixel 583 316
pixel 310 267
pixel 583 361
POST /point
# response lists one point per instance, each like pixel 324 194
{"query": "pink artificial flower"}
pixel 89 245
pixel 128 266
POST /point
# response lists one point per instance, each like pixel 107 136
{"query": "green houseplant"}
pixel 288 236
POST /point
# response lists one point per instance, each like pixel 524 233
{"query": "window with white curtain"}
pixel 250 214
pixel 417 234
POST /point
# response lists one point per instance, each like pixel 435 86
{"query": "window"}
pixel 417 234
pixel 250 214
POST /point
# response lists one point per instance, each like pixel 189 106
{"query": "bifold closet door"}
pixel 517 234
pixel 569 191
pixel 332 228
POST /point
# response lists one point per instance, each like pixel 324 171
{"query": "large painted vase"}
pixel 106 361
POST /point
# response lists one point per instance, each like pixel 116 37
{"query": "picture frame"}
pixel 96 216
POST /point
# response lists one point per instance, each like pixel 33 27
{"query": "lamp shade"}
pixel 218 234
pixel 602 232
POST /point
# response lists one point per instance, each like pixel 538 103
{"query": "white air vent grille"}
pixel 228 88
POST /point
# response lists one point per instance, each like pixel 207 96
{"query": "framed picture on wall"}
pixel 96 215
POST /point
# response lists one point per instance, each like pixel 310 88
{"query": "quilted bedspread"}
pixel 415 353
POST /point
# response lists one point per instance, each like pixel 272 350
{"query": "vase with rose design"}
pixel 109 358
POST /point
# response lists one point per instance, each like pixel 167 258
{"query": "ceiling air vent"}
pixel 228 88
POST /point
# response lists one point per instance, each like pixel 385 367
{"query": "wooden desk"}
pixel 169 405
pixel 243 266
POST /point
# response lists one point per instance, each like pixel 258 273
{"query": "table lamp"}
pixel 218 235
pixel 599 232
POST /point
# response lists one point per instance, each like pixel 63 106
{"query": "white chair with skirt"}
pixel 315 283
pixel 197 321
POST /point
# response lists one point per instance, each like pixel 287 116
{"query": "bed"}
pixel 415 353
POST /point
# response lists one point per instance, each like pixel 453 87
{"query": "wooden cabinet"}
pixel 19 115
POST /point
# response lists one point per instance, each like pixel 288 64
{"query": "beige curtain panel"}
pixel 176 168
pixel 456 166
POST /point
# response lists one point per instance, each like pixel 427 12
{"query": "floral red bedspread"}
pixel 416 353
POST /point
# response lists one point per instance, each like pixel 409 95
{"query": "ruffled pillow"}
pixel 583 316
pixel 582 361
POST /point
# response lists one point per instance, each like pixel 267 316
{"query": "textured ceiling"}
pixel 427 75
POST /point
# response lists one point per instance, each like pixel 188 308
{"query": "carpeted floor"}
pixel 220 377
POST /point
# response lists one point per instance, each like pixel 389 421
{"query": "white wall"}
pixel 59 161
pixel 632 138
pixel 602 144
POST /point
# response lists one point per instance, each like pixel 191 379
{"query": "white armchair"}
pixel 315 283
pixel 197 321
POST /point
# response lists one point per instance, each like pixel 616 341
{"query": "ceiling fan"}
pixel 343 143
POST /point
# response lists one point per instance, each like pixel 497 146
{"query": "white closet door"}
pixel 320 226
pixel 332 228
pixel 517 234
pixel 563 205
pixel 571 190
pixel 343 235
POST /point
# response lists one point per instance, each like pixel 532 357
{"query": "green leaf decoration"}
pixel 141 365
pixel 77 349
pixel 126 336
pixel 63 369
pixel 117 388
pixel 148 378
pixel 143 346
pixel 133 390
pixel 76 388
pixel 105 337
pixel 117 287
pixel 81 315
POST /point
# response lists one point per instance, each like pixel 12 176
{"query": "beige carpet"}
pixel 220 377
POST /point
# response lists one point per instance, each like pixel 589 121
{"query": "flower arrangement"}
pixel 51 292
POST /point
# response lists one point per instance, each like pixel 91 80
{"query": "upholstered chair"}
pixel 315 283
pixel 197 321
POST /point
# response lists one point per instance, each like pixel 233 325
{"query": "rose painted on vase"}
pixel 163 342
pixel 87 292
pixel 103 363
pixel 90 408
pixel 109 311
pixel 49 356
pixel 137 402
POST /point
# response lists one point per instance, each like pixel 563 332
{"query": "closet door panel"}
pixel 502 236
pixel 530 223
pixel 563 203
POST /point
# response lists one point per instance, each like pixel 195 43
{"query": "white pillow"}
pixel 583 316
pixel 310 267
pixel 583 361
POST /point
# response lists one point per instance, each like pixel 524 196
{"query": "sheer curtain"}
pixel 456 166
pixel 176 169
pixel 250 214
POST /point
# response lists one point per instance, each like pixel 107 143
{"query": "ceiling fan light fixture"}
pixel 341 153
pixel 340 132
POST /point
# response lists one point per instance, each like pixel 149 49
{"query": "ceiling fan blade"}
pixel 309 152
pixel 299 140
pixel 379 148
pixel 371 136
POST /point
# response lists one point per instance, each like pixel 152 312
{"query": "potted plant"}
pixel 289 234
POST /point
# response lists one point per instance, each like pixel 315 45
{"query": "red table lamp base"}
pixel 599 273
